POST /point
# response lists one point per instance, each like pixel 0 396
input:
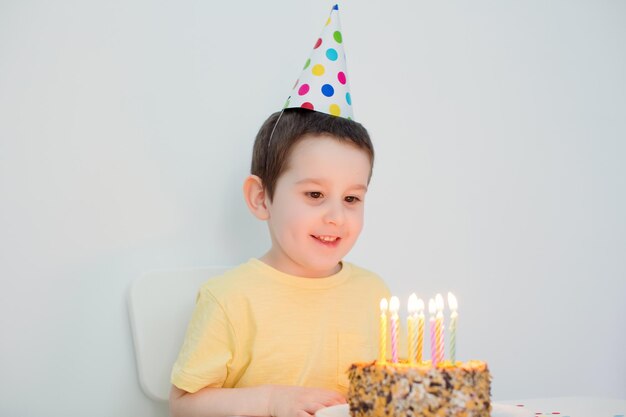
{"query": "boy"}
pixel 298 315
pixel 274 336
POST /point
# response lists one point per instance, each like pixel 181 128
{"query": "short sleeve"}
pixel 207 349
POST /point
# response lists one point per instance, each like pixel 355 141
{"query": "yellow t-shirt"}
pixel 255 325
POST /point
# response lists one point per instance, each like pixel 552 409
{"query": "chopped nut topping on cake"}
pixel 411 390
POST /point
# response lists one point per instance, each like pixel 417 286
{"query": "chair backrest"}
pixel 160 305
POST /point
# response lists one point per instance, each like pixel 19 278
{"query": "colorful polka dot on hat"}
pixel 323 85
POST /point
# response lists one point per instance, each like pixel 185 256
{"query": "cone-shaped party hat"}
pixel 323 85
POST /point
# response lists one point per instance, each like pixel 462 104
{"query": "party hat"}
pixel 323 85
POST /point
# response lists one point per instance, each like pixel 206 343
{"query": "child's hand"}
pixel 288 401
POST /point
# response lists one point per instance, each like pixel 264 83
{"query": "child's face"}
pixel 317 211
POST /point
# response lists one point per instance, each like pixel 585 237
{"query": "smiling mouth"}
pixel 327 239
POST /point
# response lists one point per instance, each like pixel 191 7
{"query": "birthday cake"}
pixel 401 389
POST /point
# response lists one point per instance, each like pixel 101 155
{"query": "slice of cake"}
pixel 404 390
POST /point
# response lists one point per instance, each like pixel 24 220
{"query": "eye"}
pixel 352 199
pixel 314 194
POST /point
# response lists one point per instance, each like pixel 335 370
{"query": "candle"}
pixel 432 309
pixel 420 330
pixel 452 303
pixel 412 327
pixel 382 350
pixel 439 327
pixel 394 306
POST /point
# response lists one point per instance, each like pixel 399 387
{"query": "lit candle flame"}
pixel 420 305
pixel 452 302
pixel 394 304
pixel 439 302
pixel 383 305
pixel 413 304
pixel 432 307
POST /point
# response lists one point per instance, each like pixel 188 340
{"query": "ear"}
pixel 254 194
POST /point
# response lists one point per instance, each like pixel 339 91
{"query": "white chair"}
pixel 160 305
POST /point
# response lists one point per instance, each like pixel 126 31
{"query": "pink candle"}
pixel 394 306
pixel 439 325
pixel 432 309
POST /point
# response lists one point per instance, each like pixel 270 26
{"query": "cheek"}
pixel 356 220
pixel 294 217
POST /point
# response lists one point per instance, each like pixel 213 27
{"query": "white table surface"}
pixel 573 406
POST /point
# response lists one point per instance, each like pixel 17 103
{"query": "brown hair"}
pixel 269 158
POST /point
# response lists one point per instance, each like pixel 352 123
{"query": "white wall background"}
pixel 126 130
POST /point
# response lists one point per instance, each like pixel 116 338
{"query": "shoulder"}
pixel 366 277
pixel 231 282
pixel 362 273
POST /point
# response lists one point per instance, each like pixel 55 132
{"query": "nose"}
pixel 334 213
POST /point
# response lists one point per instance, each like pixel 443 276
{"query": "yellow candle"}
pixel 412 327
pixel 382 351
pixel 420 330
pixel 411 349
